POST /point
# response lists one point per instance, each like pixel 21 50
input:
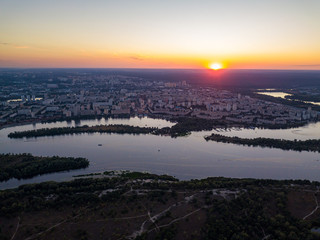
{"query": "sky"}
pixel 239 34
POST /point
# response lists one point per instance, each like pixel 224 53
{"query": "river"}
pixel 184 157
pixel 310 131
pixel 283 95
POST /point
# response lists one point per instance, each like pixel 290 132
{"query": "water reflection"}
pixel 276 94
pixel 310 131
pixel 185 157
pixel 283 95
pixel 134 121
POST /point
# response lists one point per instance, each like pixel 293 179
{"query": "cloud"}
pixel 136 58
pixel 13 45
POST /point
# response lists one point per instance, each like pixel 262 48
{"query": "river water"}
pixel 184 157
pixel 283 95
pixel 310 131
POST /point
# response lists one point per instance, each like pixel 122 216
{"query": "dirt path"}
pixel 121 218
pixel 176 220
pixel 157 216
pixel 18 224
pixel 56 225
pixel 314 210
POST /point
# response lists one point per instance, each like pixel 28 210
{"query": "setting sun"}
pixel 215 66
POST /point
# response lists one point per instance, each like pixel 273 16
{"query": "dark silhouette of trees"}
pixel 297 145
pixel 26 166
pixel 120 129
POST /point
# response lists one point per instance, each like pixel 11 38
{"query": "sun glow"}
pixel 215 66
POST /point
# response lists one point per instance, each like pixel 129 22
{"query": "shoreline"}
pixel 119 174
pixel 76 119
pixel 227 125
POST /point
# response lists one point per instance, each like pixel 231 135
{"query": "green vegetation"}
pixel 297 145
pixel 183 127
pixel 258 214
pixel 87 175
pixel 117 207
pixel 120 129
pixel 144 175
pixel 27 166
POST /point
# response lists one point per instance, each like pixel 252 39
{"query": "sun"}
pixel 215 66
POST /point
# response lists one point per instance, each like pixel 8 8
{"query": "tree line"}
pixel 120 129
pixel 296 145
pixel 26 165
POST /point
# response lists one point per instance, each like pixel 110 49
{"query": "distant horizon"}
pixel 128 68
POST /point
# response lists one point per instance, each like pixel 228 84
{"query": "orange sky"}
pixel 160 34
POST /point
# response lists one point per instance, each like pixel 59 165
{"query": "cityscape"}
pixel 96 95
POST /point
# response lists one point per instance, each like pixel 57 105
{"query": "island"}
pixel 312 145
pixel 120 129
pixel 27 166
pixel 183 127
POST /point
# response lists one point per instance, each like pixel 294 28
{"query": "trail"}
pixel 122 218
pixel 56 225
pixel 176 220
pixel 314 210
pixel 18 224
pixel 157 216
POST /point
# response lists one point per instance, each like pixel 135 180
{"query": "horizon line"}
pixel 123 68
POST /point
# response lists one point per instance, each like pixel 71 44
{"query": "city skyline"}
pixel 167 34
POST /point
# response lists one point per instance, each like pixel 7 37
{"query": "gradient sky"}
pixel 250 34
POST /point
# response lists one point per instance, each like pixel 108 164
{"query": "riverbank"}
pixel 82 118
pixel 200 124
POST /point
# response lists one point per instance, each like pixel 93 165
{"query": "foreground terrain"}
pixel 132 205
